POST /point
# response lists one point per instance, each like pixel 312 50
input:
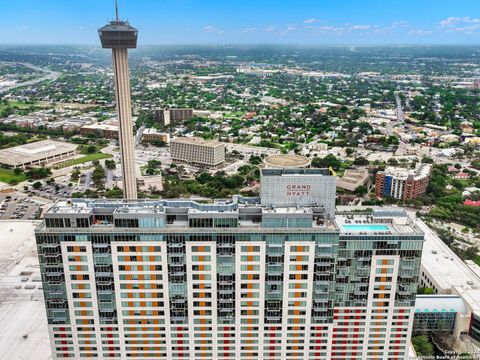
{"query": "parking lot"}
pixel 21 207
pixel 55 191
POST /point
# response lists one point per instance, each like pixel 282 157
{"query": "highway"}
pixel 49 75
pixel 138 136
pixel 400 116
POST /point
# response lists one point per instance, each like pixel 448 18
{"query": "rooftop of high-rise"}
pixel 247 213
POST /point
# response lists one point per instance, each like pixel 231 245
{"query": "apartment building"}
pixel 403 184
pixel 198 152
pixel 177 279
pixel 172 116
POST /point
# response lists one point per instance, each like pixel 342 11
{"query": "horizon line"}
pixel 252 44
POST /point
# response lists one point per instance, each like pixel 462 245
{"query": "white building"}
pixel 40 153
pixel 444 272
pixel 298 187
pixel 198 152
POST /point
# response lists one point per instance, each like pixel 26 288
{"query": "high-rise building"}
pixel 403 184
pixel 228 280
pixel 172 116
pixel 298 187
pixel 120 36
pixel 198 152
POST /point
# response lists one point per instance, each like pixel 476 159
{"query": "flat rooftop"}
pixel 440 303
pixel 287 161
pixel 421 171
pixel 294 172
pixel 22 307
pixel 197 141
pixel 390 222
pixel 379 222
pixel 442 263
pixel 450 272
pixel 36 151
pixel 108 127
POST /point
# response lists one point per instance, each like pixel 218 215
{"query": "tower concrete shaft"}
pixel 124 111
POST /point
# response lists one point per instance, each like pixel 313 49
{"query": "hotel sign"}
pixel 298 189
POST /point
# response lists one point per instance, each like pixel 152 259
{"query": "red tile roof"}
pixel 469 202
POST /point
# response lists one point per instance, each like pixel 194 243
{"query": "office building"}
pixel 120 36
pixel 298 187
pixel 403 184
pixel 198 152
pixel 152 135
pixel 172 116
pixel 177 279
pixel 37 154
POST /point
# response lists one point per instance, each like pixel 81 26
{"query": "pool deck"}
pixel 398 224
pixel 365 227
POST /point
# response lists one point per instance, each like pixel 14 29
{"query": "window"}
pixel 83 222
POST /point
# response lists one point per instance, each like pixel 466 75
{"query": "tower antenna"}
pixel 116 8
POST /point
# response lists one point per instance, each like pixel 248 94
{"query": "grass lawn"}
pixel 232 115
pixel 7 176
pixel 83 159
pixel 16 104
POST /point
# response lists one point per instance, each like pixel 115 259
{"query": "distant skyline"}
pixel 304 22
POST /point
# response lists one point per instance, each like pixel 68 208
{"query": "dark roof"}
pixel 117 35
pixel 118 26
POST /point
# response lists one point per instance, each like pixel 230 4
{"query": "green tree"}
pixel 37 185
pixel 17 171
pixel 38 173
pixel 423 346
pixel 110 164
pixel 361 161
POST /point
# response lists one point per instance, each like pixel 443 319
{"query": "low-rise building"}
pixel 198 152
pixel 352 179
pixel 40 153
pixel 104 130
pixel 287 161
pixel 403 184
pixel 150 135
pixel 444 272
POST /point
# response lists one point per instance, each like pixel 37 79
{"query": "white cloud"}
pixel 291 28
pixel 247 30
pixel 270 28
pixel 467 29
pixel 361 27
pixel 452 21
pixel 212 29
pixel 420 32
pixel 311 21
pixel 466 24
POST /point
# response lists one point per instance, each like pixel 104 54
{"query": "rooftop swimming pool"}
pixel 366 228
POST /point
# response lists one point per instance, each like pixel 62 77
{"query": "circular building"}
pixel 287 161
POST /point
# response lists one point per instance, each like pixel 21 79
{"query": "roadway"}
pixel 50 76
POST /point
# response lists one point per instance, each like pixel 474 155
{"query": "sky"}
pixel 309 22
